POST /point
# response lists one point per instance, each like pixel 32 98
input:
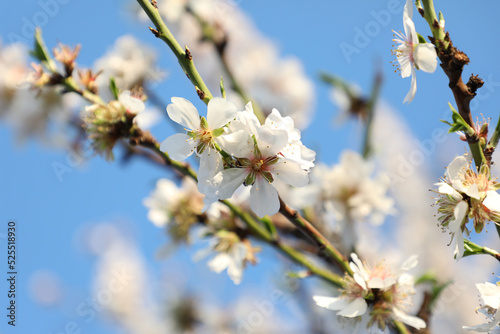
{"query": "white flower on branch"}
pixel 390 294
pixel 490 295
pixel 232 254
pixel 262 157
pixel 347 193
pixel 411 54
pixel 466 194
pixel 130 62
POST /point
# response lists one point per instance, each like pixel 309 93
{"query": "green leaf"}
pixel 40 51
pixel 217 132
pixel 421 39
pixel 113 88
pixel 459 124
pixel 269 225
pixel 222 89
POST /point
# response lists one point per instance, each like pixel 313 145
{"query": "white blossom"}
pixel 412 55
pixel 399 285
pixel 490 295
pixel 466 194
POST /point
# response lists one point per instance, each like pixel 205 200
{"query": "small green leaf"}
pixel 40 51
pixel 217 132
pixel 113 88
pixel 222 89
pixel 421 39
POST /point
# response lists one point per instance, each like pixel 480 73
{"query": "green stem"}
pixel 367 147
pixel 401 328
pixel 292 253
pixel 492 144
pixel 432 20
pixel 183 56
pixel 310 231
pixel 209 35
pixel 474 249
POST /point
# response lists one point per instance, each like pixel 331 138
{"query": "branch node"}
pixel 421 11
pixel 474 83
pixel 201 94
pixel 435 24
pixel 153 3
pixel 155 32
pixel 189 55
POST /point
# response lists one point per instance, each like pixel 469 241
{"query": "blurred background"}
pixel 81 218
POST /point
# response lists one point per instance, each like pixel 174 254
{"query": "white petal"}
pixel 413 88
pixel 232 178
pixel 490 293
pixel 238 144
pixel 178 146
pixel 472 191
pixel 290 172
pixel 459 246
pixel 271 141
pixel 425 57
pixel 414 322
pixel 356 308
pixel 219 262
pixel 445 188
pixel 456 168
pixel 132 104
pixel 264 198
pixel 210 165
pixel 459 214
pixel 220 112
pixel 331 303
pixel 410 31
pixel 410 263
pixel 184 112
pixel 147 118
pixel 408 10
pixel 492 201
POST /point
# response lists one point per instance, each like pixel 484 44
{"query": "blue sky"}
pixel 50 214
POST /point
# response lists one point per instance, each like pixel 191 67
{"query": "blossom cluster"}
pixel 463 195
pixel 235 149
pixel 376 295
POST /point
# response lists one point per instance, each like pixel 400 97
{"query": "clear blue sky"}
pixel 50 213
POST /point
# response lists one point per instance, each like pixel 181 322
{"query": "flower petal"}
pixel 456 168
pixel 178 146
pixel 290 172
pixel 220 112
pixel 232 178
pixel 492 201
pixel 356 308
pixel 184 112
pixel 271 141
pixel 425 57
pixel 264 198
pixel 413 88
pixel 490 294
pixel 412 321
pixel 446 189
pixel 132 104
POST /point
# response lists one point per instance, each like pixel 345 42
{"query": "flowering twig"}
pixel 367 148
pixel 310 231
pixel 220 47
pixel 184 57
pixel 474 249
pixel 452 63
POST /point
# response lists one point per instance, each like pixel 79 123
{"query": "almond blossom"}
pixel 490 294
pixel 466 194
pixel 202 135
pixel 231 254
pixel 260 160
pixel 368 284
pixel 411 54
